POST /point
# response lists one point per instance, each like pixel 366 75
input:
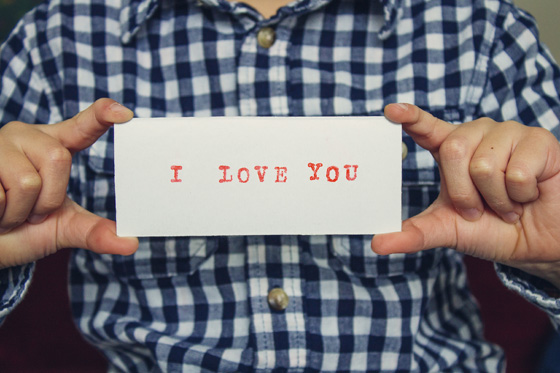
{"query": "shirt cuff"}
pixel 14 282
pixel 536 290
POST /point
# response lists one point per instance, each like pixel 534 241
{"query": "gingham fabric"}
pixel 200 304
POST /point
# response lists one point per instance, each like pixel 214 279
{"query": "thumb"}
pixel 86 127
pixel 426 130
pixel 79 228
pixel 430 229
pixel 71 226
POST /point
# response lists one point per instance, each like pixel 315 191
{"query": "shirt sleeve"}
pixel 522 78
pixel 523 84
pixel 24 96
pixel 28 84
pixel 14 282
pixel 536 290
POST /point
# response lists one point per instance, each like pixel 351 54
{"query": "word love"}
pixel 280 174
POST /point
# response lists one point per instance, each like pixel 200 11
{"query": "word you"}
pixel 280 174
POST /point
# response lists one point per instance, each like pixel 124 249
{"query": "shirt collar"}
pixel 135 13
pixel 392 12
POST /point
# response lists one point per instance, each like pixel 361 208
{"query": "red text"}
pixel 244 175
pixel 176 170
pixel 333 172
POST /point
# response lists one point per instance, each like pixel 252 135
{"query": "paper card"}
pixel 257 176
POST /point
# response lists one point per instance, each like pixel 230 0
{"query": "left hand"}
pixel 500 193
pixel 37 218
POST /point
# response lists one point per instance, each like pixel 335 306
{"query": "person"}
pixel 480 116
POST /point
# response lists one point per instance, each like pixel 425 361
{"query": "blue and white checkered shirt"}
pixel 190 304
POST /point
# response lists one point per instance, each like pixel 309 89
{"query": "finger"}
pixel 21 184
pixel 70 227
pixel 85 128
pixel 85 230
pixel 425 231
pixel 53 163
pixel 425 129
pixel 2 200
pixel 535 159
pixel 488 171
pixel 489 237
pixel 455 156
pixel 409 240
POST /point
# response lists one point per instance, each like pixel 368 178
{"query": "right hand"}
pixel 36 216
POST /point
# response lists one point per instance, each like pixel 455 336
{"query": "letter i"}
pixel 176 170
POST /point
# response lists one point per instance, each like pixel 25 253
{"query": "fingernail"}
pixel 37 218
pixel 404 107
pixel 470 214
pixel 116 107
pixel 511 217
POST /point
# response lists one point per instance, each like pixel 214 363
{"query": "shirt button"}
pixel 266 37
pixel 278 299
pixel 404 151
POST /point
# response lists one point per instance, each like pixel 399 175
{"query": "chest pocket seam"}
pixel 156 257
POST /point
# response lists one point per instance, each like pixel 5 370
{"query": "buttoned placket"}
pixel 276 304
pixel 270 42
pixel 267 319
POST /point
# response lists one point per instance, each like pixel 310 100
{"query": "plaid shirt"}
pixel 190 304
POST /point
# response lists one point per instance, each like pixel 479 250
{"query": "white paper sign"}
pixel 257 176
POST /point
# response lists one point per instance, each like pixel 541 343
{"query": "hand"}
pixel 36 216
pixel 500 193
